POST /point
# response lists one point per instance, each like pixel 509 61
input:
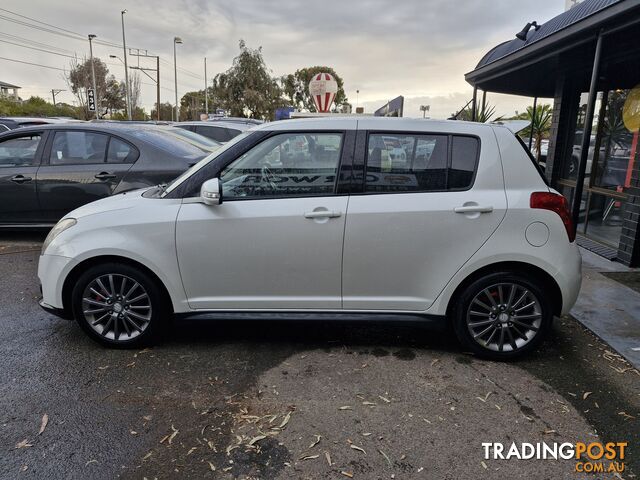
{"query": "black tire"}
pixel 122 332
pixel 542 312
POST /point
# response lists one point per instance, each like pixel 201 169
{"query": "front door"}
pixel 19 161
pixel 276 240
pixel 81 167
pixel 423 212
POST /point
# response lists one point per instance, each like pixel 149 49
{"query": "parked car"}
pixel 247 121
pixel 200 141
pixel 29 121
pixel 48 170
pixel 218 131
pixel 441 238
pixel 8 124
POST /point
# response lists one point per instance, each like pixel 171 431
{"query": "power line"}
pixel 30 63
pixel 36 48
pixel 33 42
pixel 58 30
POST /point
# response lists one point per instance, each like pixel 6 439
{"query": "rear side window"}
pixel 398 163
pixel 121 152
pixel 219 134
pixel 464 155
pixel 77 148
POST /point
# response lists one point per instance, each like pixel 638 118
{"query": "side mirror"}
pixel 211 192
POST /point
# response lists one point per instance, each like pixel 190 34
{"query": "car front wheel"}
pixel 118 305
pixel 502 316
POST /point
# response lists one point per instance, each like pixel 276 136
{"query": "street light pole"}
pixel 206 97
pixel 93 76
pixel 126 68
pixel 176 40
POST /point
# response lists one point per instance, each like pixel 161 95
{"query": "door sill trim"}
pixel 438 322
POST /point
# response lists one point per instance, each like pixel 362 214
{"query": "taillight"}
pixel 555 203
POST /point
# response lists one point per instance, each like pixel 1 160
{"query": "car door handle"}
pixel 104 176
pixel 322 214
pixel 473 209
pixel 20 179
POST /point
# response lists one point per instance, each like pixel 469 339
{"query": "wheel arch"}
pixel 547 281
pixel 84 265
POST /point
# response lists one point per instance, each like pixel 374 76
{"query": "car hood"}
pixel 120 201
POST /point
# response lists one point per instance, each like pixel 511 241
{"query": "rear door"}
pixel 418 216
pixel 19 160
pixel 80 167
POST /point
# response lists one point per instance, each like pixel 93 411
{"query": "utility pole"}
pixel 206 97
pixel 54 92
pixel 145 70
pixel 126 68
pixel 176 40
pixel 93 76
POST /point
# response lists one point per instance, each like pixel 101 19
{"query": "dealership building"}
pixel 588 60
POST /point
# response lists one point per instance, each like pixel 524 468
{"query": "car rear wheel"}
pixel 502 316
pixel 118 305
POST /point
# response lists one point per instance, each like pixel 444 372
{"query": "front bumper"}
pixel 52 272
pixel 59 312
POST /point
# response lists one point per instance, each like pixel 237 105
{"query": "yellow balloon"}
pixel 631 110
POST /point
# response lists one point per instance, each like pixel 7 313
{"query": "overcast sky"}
pixel 417 48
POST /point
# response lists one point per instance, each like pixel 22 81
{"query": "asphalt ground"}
pixel 292 400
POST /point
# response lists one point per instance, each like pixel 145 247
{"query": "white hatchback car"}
pixel 464 230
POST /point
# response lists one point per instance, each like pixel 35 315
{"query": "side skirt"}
pixel 435 322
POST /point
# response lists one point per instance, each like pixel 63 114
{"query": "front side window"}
pixel 398 163
pixel 291 164
pixel 77 148
pixel 19 151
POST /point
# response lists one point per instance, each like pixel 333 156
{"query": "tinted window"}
pixel 464 155
pixel 232 132
pixel 219 134
pixel 73 147
pixel 121 152
pixel 285 165
pixel 167 142
pixel 419 163
pixel 406 163
pixel 20 151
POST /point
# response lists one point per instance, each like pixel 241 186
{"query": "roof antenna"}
pixel 522 34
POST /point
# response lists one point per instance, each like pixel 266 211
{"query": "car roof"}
pixel 374 123
pixel 219 124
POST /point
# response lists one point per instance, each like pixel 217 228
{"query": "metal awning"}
pixel 529 67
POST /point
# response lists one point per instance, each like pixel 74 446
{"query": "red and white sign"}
pixel 323 88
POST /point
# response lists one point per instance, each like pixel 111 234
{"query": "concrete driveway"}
pixel 291 400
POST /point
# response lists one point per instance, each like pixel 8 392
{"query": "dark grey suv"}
pixel 49 170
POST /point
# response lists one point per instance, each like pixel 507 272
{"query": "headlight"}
pixel 60 227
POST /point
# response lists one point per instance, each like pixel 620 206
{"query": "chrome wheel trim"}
pixel 116 307
pixel 504 317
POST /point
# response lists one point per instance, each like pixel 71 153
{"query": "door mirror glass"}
pixel 211 192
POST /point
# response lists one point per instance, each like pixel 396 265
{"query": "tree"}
pixel 484 113
pixel 114 99
pixel 247 89
pixel 540 124
pixel 296 88
pixel 192 105
pixel 135 90
pixel 79 80
pixel 36 107
pixel 166 111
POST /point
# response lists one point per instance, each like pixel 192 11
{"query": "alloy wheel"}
pixel 116 307
pixel 504 317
